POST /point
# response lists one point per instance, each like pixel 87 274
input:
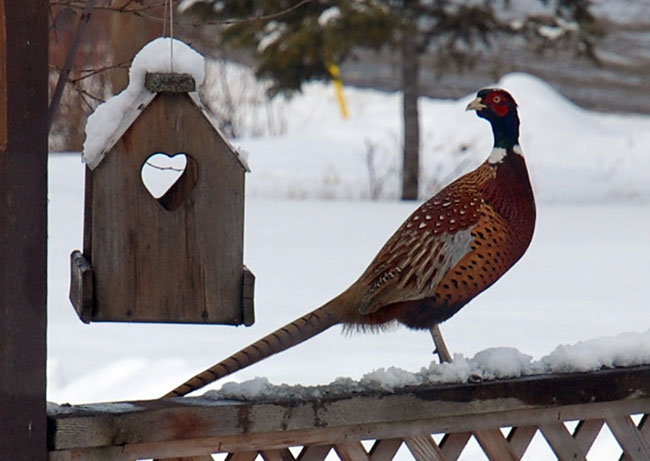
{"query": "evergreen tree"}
pixel 295 41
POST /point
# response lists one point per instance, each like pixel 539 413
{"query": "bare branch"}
pixel 267 17
pixel 141 11
pixel 86 96
pixel 98 70
pixel 69 61
pixel 164 168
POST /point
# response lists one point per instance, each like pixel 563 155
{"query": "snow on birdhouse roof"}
pixel 111 119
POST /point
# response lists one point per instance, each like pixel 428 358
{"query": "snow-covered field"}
pixel 575 156
pixel 584 276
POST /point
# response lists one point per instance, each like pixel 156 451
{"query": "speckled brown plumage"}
pixel 454 246
pixel 450 249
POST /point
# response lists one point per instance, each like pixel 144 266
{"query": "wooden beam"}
pixel 81 286
pixel 242 456
pixel 351 451
pixel 3 78
pixel 314 453
pixel 194 426
pixel 384 450
pixel 423 448
pixel 23 228
pixel 586 433
pixel 563 445
pixel 634 444
pixel 278 454
pixel 520 437
pixel 452 445
pixel 495 445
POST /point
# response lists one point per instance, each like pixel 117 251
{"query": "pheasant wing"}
pixel 425 248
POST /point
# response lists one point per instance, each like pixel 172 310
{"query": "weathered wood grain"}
pixel 520 437
pixel 586 432
pixel 194 426
pixel 384 450
pixel 278 454
pixel 351 451
pixel 424 448
pixel 452 445
pixel 314 453
pixel 635 446
pixel 23 228
pixel 180 191
pixel 563 445
pixel 178 258
pixel 242 456
pixel 191 458
pixel 3 78
pixel 495 445
pixel 248 298
pixel 81 286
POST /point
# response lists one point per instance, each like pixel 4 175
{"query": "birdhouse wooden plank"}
pixel 178 257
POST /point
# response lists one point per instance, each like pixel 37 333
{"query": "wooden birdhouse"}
pixel 173 258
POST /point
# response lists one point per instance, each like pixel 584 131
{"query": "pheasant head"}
pixel 499 108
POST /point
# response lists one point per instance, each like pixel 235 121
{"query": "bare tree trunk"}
pixel 410 91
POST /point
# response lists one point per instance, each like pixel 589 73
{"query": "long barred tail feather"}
pixel 291 334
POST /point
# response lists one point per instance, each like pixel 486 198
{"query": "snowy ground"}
pixel 585 275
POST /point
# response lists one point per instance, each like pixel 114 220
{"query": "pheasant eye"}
pixel 496 99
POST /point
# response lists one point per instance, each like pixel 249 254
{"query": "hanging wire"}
pixel 168 17
pixel 171 35
pixel 164 21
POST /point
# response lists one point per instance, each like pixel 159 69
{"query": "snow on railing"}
pixel 433 422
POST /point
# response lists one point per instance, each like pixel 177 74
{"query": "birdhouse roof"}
pixel 110 120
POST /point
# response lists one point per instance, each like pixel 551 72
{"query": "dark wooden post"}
pixel 23 228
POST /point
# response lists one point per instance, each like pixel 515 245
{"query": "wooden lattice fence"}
pixel 503 416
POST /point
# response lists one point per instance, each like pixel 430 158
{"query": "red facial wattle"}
pixel 500 109
pixel 498 103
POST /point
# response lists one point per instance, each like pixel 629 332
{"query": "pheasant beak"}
pixel 476 104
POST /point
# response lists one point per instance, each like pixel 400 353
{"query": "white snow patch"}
pixel 185 5
pixel 273 32
pixel 122 109
pixel 156 56
pixel 551 32
pixel 247 390
pixel 624 350
pixel 389 378
pixel 502 362
pixel 628 349
pixel 330 14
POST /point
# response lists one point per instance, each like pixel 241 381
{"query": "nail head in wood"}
pixel 160 82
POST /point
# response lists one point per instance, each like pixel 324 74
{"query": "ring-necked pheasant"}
pixel 454 246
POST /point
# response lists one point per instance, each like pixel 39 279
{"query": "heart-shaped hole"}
pixel 169 179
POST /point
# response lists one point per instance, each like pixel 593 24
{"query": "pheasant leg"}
pixel 441 347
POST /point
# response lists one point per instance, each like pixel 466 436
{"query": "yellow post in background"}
pixel 338 84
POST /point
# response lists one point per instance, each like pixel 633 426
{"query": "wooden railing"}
pixel 503 416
